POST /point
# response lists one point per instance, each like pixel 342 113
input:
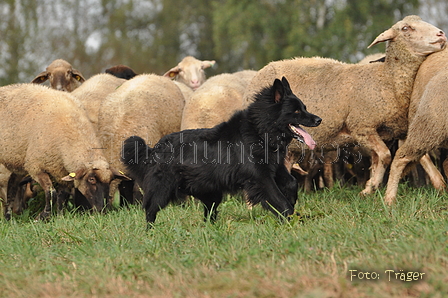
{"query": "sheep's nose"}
pixel 194 84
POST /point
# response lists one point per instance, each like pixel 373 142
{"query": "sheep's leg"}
pixel 434 174
pixel 11 194
pixel 381 158
pixel 62 198
pixel 329 160
pixel 50 194
pixel 399 163
pixel 445 166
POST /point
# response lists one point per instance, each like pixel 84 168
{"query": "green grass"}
pixel 246 253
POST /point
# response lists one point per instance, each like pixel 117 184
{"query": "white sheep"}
pixel 216 100
pixel 190 71
pixel 428 124
pixel 372 58
pixel 148 105
pixel 360 104
pixel 93 91
pixel 62 76
pixel 45 133
pixel 125 72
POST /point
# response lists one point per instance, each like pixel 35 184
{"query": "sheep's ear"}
pixel 278 90
pixel 69 177
pixel 42 77
pixel 78 76
pixel 172 72
pixel 74 175
pixel 385 36
pixel 207 64
pixel 120 175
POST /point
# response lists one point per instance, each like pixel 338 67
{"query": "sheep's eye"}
pixel 78 78
pixel 405 28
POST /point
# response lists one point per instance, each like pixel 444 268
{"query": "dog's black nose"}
pixel 317 121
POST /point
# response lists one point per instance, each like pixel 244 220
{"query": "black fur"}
pixel 245 153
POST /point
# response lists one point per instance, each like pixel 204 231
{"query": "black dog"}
pixel 245 153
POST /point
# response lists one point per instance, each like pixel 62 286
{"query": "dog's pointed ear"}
pixel 279 91
pixel 286 86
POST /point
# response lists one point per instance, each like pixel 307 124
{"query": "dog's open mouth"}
pixel 302 136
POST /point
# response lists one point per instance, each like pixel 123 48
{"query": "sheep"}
pixel 148 105
pixel 216 100
pixel 427 124
pixel 186 91
pixel 360 104
pixel 125 72
pixel 62 76
pixel 46 133
pixel 378 57
pixel 190 71
pixel 93 91
pixel 121 71
pixel 4 177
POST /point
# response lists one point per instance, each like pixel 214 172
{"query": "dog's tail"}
pixel 136 157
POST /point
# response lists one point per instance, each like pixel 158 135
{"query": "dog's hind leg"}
pixel 211 203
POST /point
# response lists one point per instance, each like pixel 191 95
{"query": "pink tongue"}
pixel 306 137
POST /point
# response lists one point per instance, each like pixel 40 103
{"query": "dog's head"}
pixel 293 113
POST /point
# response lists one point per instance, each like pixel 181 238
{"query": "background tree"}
pixel 153 35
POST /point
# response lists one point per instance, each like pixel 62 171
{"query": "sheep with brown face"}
pixel 62 76
pixel 46 134
pixel 360 104
pixel 190 71
pixel 428 122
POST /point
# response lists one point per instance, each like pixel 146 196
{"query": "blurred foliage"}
pixel 154 35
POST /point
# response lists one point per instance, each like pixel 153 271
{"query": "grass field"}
pixel 339 239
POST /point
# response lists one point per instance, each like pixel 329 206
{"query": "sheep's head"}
pixel 121 71
pixel 421 38
pixel 190 71
pixel 93 183
pixel 61 76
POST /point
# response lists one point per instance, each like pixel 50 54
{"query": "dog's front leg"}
pixel 267 192
pixel 287 184
pixel 211 203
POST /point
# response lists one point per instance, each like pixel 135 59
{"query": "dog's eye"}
pixel 297 112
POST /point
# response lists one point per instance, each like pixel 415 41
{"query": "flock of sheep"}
pixel 68 137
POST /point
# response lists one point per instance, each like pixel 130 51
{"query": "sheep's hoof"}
pixel 44 215
pixel 389 201
pixel 365 193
